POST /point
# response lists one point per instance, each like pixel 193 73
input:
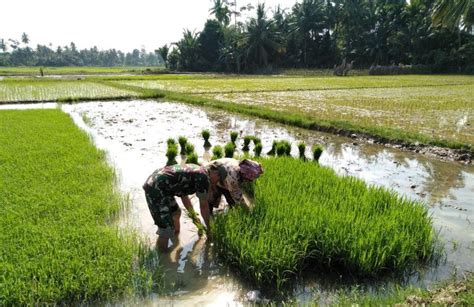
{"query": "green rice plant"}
pixel 206 134
pixel 301 150
pixel 194 216
pixel 59 240
pixel 229 150
pixel 189 149
pixel 258 149
pixel 217 152
pixel 283 148
pixel 192 158
pixel 171 154
pixel 307 218
pixel 317 152
pixel 256 140
pixel 247 140
pixel 233 136
pixel 182 140
pixel 272 151
pixel 171 141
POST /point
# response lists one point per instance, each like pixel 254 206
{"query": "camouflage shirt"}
pixel 177 180
pixel 229 173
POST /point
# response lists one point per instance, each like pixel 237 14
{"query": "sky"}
pixel 120 24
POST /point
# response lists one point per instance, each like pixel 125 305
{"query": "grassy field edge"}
pixel 59 243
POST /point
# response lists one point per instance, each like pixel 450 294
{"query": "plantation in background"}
pixel 57 204
pixel 306 218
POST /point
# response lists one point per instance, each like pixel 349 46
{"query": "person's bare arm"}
pixel 187 202
pixel 204 205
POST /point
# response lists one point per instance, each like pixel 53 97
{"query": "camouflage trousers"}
pixel 163 207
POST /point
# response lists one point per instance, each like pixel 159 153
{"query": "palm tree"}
pixel 188 48
pixel 309 21
pixel 261 37
pixel 25 39
pixel 221 11
pixel 454 13
pixel 3 46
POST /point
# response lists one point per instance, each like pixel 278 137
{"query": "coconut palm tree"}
pixel 454 13
pixel 221 11
pixel 262 38
pixel 25 39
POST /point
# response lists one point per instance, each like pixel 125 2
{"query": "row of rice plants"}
pixel 292 83
pixel 306 218
pixel 30 90
pixel 58 242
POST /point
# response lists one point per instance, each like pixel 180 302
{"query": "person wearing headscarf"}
pixel 232 174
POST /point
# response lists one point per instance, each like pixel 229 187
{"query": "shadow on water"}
pixel 134 135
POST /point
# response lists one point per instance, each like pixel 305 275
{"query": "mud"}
pixel 134 135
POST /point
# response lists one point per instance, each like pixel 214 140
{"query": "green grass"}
pixel 72 70
pixel 306 218
pixel 30 90
pixel 223 84
pixel 58 242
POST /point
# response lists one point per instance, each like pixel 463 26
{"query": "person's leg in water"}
pixel 166 214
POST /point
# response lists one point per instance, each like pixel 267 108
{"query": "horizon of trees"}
pixel 322 33
pixel 311 34
pixel 44 55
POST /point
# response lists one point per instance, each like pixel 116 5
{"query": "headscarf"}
pixel 250 170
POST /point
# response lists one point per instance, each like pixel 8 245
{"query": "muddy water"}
pixel 134 134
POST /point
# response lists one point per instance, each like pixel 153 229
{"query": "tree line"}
pixel 323 33
pixel 432 34
pixel 18 53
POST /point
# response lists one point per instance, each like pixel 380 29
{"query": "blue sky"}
pixel 121 24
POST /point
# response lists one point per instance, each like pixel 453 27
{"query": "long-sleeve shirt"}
pixel 229 173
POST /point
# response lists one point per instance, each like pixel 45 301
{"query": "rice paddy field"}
pixel 333 232
pixel 439 109
pixel 58 241
pixel 30 90
pixel 307 218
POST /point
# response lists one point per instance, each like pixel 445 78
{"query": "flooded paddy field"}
pixel 134 135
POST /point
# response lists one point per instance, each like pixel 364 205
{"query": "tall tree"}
pixel 221 11
pixel 262 38
pixel 454 13
pixel 25 39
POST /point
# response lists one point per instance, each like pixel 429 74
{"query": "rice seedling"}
pixel 58 240
pixel 308 219
pixel 206 134
pixel 283 148
pixel 272 151
pixel 233 136
pixel 217 152
pixel 317 152
pixel 229 150
pixel 258 149
pixel 302 150
pixel 188 149
pixel 247 140
pixel 182 140
pixel 256 140
pixel 171 154
pixel 192 158
pixel 171 141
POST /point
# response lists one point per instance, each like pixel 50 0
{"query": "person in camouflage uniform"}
pixel 164 184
